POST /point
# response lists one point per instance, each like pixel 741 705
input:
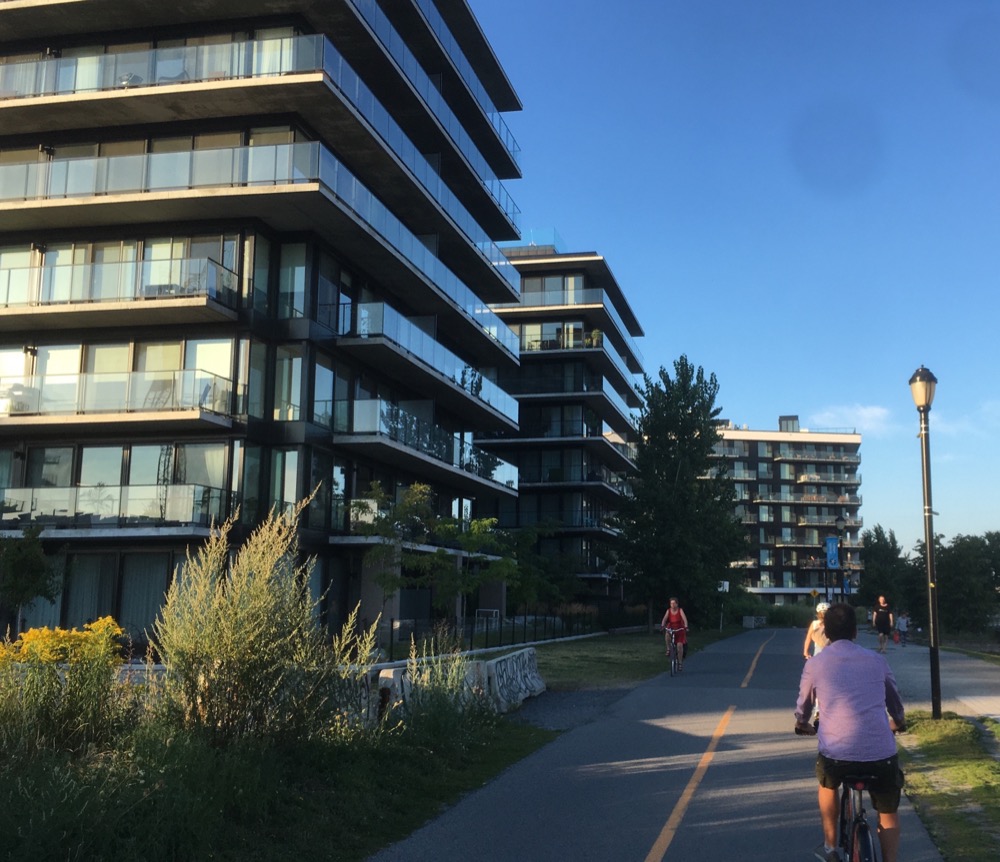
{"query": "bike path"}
pixel 703 766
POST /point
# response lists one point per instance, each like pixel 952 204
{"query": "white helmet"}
pixel 822 607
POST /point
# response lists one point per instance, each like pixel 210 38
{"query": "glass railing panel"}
pixel 181 504
pixel 469 75
pixel 375 416
pixel 273 165
pixel 379 319
pixel 118 282
pixel 109 392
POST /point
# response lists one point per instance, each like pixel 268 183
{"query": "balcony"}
pixel 116 294
pixel 294 187
pixel 111 506
pixel 818 457
pixel 414 357
pixel 595 391
pixel 267 76
pixel 828 479
pixel 596 302
pixel 184 399
pixel 392 434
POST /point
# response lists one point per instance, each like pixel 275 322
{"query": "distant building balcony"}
pixel 818 457
pixel 828 479
pixel 109 506
pixel 193 396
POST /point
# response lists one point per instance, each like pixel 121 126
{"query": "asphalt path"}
pixel 703 766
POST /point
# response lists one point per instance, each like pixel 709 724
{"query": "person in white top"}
pixel 816 633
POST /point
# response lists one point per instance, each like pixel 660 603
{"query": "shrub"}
pixel 243 649
pixel 60 688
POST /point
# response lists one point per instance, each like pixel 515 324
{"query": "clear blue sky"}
pixel 802 196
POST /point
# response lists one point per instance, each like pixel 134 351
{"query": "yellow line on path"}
pixel 659 849
pixel 753 664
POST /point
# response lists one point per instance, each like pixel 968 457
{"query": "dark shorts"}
pixel 884 791
pixel 883 628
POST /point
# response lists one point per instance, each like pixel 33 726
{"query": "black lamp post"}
pixel 840 523
pixel 922 385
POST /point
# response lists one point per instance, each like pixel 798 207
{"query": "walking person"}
pixel 883 619
pixel 676 619
pixel 861 710
pixel 903 626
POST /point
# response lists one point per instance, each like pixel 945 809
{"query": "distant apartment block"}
pixel 796 490
pixel 576 387
pixel 247 251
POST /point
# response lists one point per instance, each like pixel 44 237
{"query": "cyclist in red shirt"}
pixel 675 619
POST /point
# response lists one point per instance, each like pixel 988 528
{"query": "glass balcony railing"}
pixel 396 46
pixel 375 416
pixel 124 392
pixel 588 296
pixel 229 167
pixel 117 282
pixel 373 319
pixel 254 59
pixel 571 341
pixel 469 75
pixel 114 506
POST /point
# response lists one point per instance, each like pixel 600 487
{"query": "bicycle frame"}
pixel 672 647
pixel 856 838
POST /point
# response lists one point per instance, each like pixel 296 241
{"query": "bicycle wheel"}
pixel 673 659
pixel 846 818
pixel 864 844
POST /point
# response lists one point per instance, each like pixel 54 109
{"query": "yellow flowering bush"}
pixel 60 686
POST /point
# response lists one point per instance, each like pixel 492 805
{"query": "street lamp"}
pixel 922 385
pixel 840 523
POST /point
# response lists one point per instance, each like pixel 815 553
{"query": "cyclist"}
pixel 861 709
pixel 676 619
pixel 816 634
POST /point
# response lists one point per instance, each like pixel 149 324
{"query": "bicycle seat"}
pixel 860 782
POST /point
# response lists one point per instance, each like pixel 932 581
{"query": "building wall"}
pixel 245 254
pixel 792 486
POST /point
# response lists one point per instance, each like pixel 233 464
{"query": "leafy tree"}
pixel 679 529
pixel 887 569
pixel 26 574
pixel 967 596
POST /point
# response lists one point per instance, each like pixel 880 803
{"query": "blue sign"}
pixel 832 552
pixel 847 585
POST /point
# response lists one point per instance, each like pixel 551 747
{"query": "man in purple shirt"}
pixel 855 688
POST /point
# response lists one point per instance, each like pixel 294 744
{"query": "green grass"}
pixel 954 784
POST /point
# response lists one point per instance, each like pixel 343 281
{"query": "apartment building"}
pixel 247 252
pixel 798 495
pixel 576 385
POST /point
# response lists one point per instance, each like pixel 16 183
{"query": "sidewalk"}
pixel 969 687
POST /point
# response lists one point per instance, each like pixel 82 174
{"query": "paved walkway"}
pixel 702 767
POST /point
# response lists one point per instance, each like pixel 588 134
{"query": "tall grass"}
pixel 259 728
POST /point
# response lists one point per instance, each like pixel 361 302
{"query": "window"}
pixel 288 384
pixel 50 467
pixel 292 281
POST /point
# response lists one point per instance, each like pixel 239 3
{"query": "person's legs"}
pixel 888 836
pixel 828 815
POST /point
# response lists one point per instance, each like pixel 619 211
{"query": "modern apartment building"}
pixel 797 493
pixel 247 251
pixel 575 449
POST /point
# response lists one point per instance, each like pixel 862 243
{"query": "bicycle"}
pixel 855 836
pixel 854 833
pixel 672 650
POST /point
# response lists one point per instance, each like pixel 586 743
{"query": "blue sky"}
pixel 802 196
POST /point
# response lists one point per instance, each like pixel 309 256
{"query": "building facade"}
pixel 247 252
pixel 798 494
pixel 575 449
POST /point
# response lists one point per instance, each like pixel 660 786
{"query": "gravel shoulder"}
pixel 564 710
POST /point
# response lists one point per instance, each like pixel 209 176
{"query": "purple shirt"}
pixel 854 687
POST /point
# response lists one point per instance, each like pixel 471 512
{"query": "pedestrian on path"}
pixel 903 626
pixel 882 617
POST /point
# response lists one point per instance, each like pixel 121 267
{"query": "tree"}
pixel 679 529
pixel 967 596
pixel 26 574
pixel 887 570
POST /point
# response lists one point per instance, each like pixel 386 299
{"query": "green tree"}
pixel 967 596
pixel 26 574
pixel 887 569
pixel 679 530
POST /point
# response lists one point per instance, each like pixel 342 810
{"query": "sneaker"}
pixel 825 855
